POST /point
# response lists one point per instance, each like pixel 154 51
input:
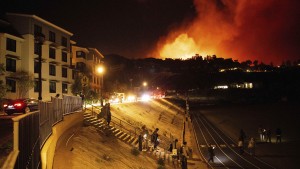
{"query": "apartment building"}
pixel 19 51
pixel 86 61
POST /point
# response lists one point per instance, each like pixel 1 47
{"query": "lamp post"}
pixel 39 40
pixel 100 70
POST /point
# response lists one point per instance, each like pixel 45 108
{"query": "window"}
pixel 10 65
pixel 52 53
pixel 52 87
pixel 64 72
pixel 51 36
pixel 52 70
pixel 36 67
pixel 64 57
pixel 37 49
pixel 37 30
pixel 11 85
pixel 80 54
pixel 64 41
pixel 64 88
pixel 11 45
pixel 80 66
pixel 36 86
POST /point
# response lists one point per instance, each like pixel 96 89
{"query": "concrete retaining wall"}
pixel 48 150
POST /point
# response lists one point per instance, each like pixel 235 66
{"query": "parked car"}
pixel 21 106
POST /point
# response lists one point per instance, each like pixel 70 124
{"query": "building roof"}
pixel 41 20
pixel 6 27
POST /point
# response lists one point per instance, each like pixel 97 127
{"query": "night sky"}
pixel 264 30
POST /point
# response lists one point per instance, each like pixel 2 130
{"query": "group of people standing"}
pixel 266 134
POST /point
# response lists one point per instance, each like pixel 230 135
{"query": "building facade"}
pixel 21 54
pixel 86 61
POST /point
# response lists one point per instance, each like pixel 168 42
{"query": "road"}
pixel 226 151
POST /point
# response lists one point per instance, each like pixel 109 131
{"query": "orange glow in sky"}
pixel 238 29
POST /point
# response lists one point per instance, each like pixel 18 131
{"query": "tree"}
pixel 25 82
pixel 76 87
pixel 3 87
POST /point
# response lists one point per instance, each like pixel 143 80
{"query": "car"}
pixel 21 106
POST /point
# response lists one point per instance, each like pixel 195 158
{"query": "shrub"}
pixel 135 151
pixel 161 162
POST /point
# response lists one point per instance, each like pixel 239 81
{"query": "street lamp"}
pixel 39 40
pixel 100 70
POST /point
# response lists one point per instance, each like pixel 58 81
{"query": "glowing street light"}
pixel 145 84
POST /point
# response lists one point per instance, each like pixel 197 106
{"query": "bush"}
pixel 135 151
pixel 161 162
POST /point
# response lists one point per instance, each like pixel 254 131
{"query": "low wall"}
pixel 48 150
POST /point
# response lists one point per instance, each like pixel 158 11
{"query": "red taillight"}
pixel 5 105
pixel 17 104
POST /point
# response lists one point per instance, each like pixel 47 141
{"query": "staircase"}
pixel 127 138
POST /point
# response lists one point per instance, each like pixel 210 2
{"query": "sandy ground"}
pixel 231 118
pixel 85 147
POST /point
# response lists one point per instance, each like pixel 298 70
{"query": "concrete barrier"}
pixel 48 150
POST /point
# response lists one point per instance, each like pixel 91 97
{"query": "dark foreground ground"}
pixel 232 118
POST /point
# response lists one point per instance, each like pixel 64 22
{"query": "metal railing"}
pixel 32 130
pixel 122 125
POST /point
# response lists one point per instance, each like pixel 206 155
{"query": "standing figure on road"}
pixel 268 133
pixel 242 135
pixel 108 118
pixel 241 146
pixel 154 135
pixel 251 146
pixel 211 153
pixel 260 133
pixel 278 135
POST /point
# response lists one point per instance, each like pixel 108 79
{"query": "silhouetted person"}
pixel 211 153
pixel 241 146
pixel 260 132
pixel 183 162
pixel 108 118
pixel 251 146
pixel 140 142
pixel 278 135
pixel 242 135
pixel 170 148
pixel 154 135
pixel 268 134
pixel 57 95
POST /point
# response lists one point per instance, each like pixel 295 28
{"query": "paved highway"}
pixel 227 154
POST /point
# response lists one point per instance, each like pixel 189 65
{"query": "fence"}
pixel 32 130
